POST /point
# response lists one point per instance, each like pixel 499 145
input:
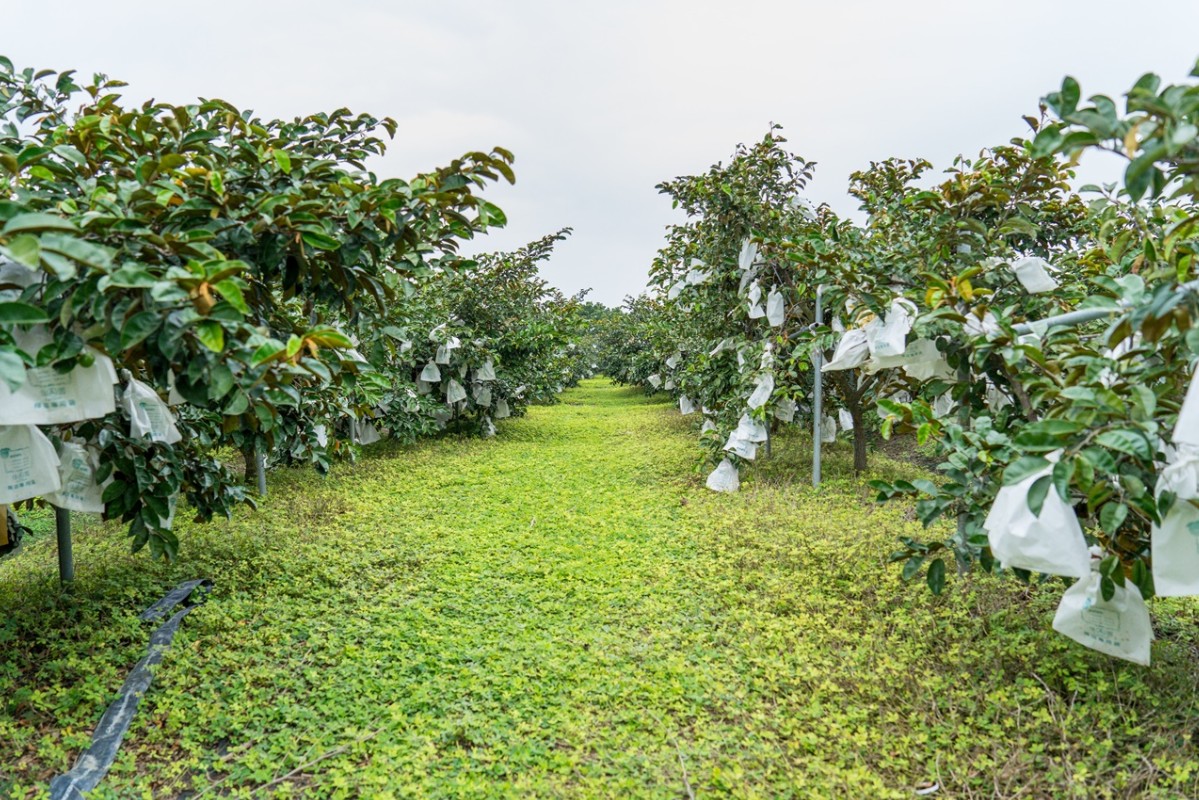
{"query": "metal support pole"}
pixel 260 469
pixel 817 394
pixel 964 421
pixel 1085 315
pixel 1072 318
pixel 66 559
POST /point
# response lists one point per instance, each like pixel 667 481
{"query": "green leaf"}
pixel 1068 97
pixel 1126 441
pixel 130 276
pixel 912 567
pixel 71 154
pixel 211 335
pixel 12 370
pixel 220 381
pixel 1047 141
pixel 321 241
pixel 26 249
pixel 1022 468
pixel 266 352
pixel 328 337
pixel 1063 473
pixel 1112 516
pixel 112 491
pixel 283 160
pixel 1037 494
pixel 232 293
pixel 138 327
pixel 15 313
pixel 237 405
pixel 35 222
pixel 936 576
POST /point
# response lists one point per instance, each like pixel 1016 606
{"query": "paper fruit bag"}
pixel 77 473
pixel 1119 627
pixel 28 464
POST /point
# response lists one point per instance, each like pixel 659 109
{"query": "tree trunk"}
pixel 859 437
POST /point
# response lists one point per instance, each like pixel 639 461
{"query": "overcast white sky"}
pixel 600 101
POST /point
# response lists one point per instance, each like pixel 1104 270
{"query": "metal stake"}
pixel 817 394
pixel 66 559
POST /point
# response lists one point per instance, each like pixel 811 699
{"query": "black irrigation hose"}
pixel 92 765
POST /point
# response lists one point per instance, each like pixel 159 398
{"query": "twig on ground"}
pixel 679 752
pixel 336 751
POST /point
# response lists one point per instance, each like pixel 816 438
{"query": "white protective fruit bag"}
pixel 745 439
pixel 724 478
pixel 49 397
pixel 775 308
pixel 755 301
pixel 890 338
pixel 987 326
pixel 28 464
pixel 828 430
pixel 924 362
pixel 852 351
pixel 431 373
pixel 454 392
pixel 943 405
pixel 501 409
pixel 750 429
pixel 1186 431
pixel 748 256
pixel 1051 543
pixel 685 405
pixel 1175 548
pixel 1119 627
pixel 654 381
pixel 784 409
pixel 741 446
pixel 1034 274
pixel 486 372
pixel 148 414
pixel 482 396
pixel 77 474
pixel 846 419
pixel 443 355
pixel 1175 545
pixel 364 432
pixel 762 391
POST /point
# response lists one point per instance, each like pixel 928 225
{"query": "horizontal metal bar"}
pixel 1085 315
pixel 1070 318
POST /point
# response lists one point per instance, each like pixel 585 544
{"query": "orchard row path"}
pixel 560 611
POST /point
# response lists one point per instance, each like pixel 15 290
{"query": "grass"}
pixel 564 610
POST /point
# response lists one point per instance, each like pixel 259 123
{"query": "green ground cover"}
pixel 564 610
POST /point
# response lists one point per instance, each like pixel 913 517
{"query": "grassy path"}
pixel 564 610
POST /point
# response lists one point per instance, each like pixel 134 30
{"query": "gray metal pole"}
pixel 66 559
pixel 1072 318
pixel 817 394
pixel 1085 315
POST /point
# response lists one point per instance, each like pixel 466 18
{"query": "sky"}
pixel 601 101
